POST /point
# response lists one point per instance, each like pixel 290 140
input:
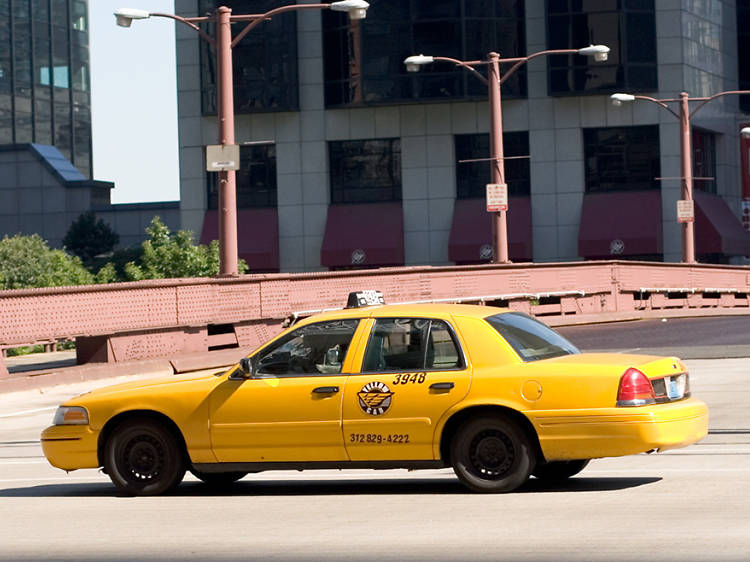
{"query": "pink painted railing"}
pixel 161 317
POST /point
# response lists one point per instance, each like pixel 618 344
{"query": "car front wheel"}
pixel 492 454
pixel 556 471
pixel 143 458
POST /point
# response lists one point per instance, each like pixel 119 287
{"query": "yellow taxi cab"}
pixel 493 393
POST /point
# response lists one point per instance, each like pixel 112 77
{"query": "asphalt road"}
pixel 685 505
pixel 689 338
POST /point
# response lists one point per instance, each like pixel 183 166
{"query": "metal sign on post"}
pixel 222 157
pixel 497 197
pixel 685 210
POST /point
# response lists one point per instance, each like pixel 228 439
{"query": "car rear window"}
pixel 531 339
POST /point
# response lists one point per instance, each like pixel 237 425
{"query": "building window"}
pixel 264 61
pixel 363 61
pixel 743 52
pixel 256 178
pixel 627 27
pixel 622 158
pixel 365 171
pixel 472 177
pixel 704 160
pixel 43 69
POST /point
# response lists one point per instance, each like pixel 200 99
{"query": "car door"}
pixel 412 371
pixel 290 408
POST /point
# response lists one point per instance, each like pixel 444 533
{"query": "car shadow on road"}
pixel 407 486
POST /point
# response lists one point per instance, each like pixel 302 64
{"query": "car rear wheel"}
pixel 492 454
pixel 143 458
pixel 218 479
pixel 556 471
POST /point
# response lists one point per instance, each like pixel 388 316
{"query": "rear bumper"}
pixel 615 432
pixel 70 446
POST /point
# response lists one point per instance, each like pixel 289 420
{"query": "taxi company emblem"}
pixel 375 398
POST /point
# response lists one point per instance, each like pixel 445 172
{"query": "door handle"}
pixel 326 390
pixel 441 386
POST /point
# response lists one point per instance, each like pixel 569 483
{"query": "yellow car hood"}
pixel 151 383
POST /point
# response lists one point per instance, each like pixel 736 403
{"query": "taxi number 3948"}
pixel 406 378
pixel 378 439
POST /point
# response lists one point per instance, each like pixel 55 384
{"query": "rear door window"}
pixel 411 344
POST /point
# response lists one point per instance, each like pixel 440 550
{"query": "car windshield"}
pixel 531 339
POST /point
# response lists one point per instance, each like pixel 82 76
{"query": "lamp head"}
pixel 125 16
pixel 415 62
pixel 599 52
pixel 617 99
pixel 357 9
pixel 745 132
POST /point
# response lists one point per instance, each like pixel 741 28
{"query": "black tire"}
pixel 492 454
pixel 218 479
pixel 143 458
pixel 557 471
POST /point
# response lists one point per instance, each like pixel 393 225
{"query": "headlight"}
pixel 71 415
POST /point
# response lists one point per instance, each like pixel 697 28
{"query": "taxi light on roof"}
pixel 359 299
pixel 635 389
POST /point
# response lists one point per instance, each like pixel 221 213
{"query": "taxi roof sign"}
pixel 358 299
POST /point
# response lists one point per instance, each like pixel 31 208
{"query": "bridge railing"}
pixel 154 318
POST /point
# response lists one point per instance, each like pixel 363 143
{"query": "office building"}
pixel 348 160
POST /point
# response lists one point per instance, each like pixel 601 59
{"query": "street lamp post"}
pixel 684 115
pixel 494 80
pixel 224 43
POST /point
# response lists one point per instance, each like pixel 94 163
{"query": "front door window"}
pixel 315 349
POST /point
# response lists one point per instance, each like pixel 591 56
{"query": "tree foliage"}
pixel 28 262
pixel 171 255
pixel 88 237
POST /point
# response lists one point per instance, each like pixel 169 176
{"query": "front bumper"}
pixel 616 432
pixel 70 447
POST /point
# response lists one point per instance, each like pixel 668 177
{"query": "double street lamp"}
pixel 685 207
pixel 223 42
pixel 498 189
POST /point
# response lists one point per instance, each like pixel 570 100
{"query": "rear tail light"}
pixel 635 389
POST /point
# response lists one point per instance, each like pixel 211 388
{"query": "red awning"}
pixel 620 223
pixel 471 234
pixel 363 235
pixel 717 229
pixel 257 236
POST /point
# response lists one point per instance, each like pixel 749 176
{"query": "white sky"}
pixel 134 102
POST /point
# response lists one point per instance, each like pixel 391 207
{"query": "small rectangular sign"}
pixel 685 210
pixel 222 157
pixel 497 197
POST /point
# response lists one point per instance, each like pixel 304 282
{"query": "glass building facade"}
pixel 264 62
pixel 363 61
pixel 44 76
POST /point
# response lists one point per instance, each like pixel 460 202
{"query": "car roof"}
pixel 410 310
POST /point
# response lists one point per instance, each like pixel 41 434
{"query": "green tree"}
pixel 88 237
pixel 171 255
pixel 28 262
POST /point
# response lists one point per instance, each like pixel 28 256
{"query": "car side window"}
pixel 410 344
pixel 314 349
